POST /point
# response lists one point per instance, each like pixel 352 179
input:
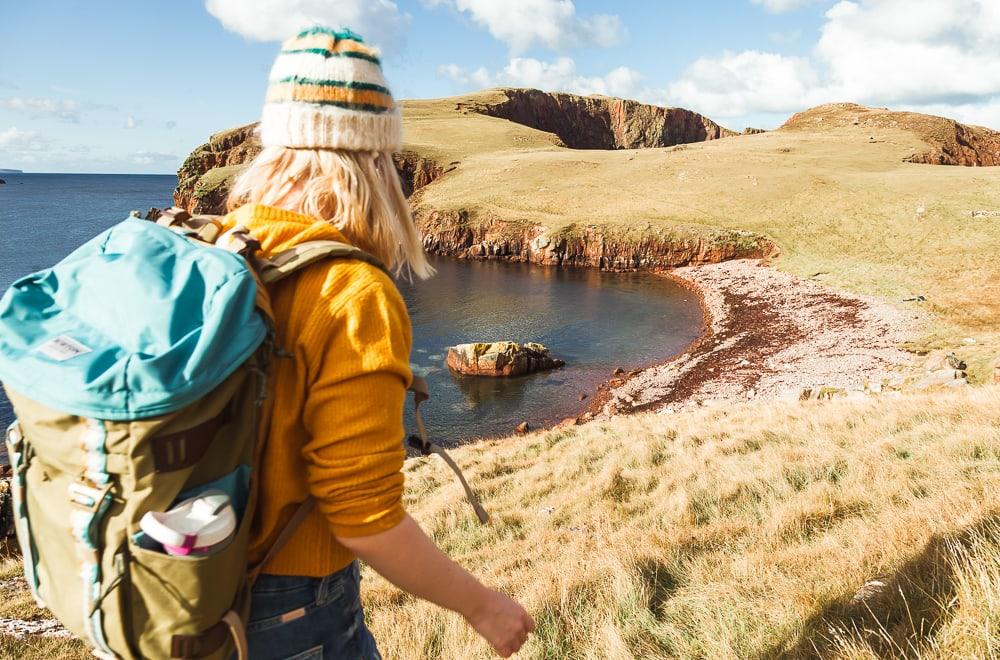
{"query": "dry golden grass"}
pixel 740 533
pixel 16 603
pixel 729 533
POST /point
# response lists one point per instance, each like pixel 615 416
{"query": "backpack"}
pixel 138 369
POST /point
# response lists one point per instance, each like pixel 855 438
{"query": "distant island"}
pixel 3 171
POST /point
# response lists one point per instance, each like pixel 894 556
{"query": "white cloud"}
pixel 21 147
pixel 146 157
pixel 35 108
pixel 14 139
pixel 130 122
pixel 780 6
pixel 378 21
pixel 736 84
pixel 920 51
pixel 559 75
pixel 552 24
pixel 925 55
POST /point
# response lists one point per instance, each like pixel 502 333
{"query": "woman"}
pixel 329 128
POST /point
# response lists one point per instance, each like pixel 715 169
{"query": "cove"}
pixel 596 321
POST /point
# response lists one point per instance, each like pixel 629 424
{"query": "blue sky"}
pixel 116 86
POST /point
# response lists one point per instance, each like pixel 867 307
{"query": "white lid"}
pixel 198 522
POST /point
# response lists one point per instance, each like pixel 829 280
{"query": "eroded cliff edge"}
pixel 560 179
pixel 596 122
pixel 579 122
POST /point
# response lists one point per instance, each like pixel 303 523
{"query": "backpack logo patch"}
pixel 63 348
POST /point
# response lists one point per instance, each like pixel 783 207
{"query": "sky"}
pixel 132 86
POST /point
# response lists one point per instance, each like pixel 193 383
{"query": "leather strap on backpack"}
pixel 296 258
pixel 421 443
pixel 283 538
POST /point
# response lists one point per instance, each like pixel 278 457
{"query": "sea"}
pixel 595 321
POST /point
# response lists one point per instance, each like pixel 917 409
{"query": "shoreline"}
pixel 768 335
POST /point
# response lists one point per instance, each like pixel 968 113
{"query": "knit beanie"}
pixel 326 91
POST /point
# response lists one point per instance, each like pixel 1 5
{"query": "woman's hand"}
pixel 405 556
pixel 501 621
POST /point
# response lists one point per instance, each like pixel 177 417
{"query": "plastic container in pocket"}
pixel 197 525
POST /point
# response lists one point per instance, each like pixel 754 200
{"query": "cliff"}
pixel 597 122
pixel 608 247
pixel 949 142
pixel 205 175
pixel 580 122
pixel 559 179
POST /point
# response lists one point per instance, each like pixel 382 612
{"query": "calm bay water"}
pixel 595 321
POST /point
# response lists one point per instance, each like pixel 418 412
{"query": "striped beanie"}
pixel 326 91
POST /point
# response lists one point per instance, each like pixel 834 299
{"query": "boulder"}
pixel 2 182
pixel 502 358
pixel 942 377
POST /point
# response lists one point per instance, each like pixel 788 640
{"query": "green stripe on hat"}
pixel 325 52
pixel 343 33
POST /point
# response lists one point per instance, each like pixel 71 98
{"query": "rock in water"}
pixel 2 182
pixel 501 358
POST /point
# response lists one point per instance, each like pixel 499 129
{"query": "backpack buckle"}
pixel 87 496
pixel 418 444
pixel 14 435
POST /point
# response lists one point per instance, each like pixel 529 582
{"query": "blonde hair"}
pixel 358 192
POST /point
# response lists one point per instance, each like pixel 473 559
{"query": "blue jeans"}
pixel 304 618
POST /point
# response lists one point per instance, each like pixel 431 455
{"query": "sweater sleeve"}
pixel 359 371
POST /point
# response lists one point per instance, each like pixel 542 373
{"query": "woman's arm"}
pixel 405 556
pixel 359 352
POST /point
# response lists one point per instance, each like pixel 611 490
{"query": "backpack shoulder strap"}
pixel 206 228
pixel 295 259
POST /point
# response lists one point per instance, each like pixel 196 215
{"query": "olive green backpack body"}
pixel 138 371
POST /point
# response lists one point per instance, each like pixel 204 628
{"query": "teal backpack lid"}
pixel 137 322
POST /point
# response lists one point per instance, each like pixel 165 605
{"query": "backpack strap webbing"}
pixel 421 442
pixel 283 538
pixel 296 258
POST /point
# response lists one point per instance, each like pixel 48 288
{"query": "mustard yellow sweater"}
pixel 336 427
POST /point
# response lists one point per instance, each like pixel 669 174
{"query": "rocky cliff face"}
pixel 596 246
pixel 581 122
pixel 951 143
pixel 204 178
pixel 598 122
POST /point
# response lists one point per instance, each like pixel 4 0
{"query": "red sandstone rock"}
pixel 599 122
pixel 453 235
pixel 522 428
pixel 502 358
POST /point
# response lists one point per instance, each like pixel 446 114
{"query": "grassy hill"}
pixel 842 190
pixel 839 199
